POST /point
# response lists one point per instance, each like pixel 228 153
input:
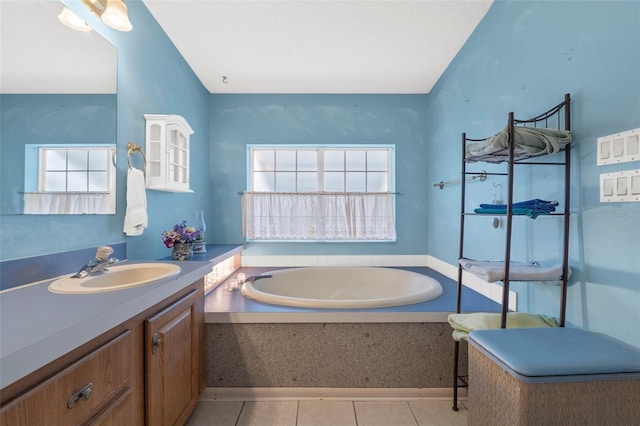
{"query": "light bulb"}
pixel 71 20
pixel 115 15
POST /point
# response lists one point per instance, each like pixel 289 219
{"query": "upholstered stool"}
pixel 552 376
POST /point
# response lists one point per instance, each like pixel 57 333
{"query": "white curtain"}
pixel 318 216
pixel 68 203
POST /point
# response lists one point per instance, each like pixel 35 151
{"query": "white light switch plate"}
pixel 620 186
pixel 619 148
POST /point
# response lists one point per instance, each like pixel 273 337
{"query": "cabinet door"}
pixel 172 361
pixel 156 155
pixel 178 158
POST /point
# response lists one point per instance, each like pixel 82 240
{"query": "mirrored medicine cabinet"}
pixel 58 104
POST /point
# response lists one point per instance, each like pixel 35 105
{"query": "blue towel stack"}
pixel 532 208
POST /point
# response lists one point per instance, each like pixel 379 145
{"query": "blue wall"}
pixel 238 120
pixel 152 78
pixel 523 57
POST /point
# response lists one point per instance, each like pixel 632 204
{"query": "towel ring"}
pixel 132 149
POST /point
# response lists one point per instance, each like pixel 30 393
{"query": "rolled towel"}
pixel 528 142
pixel 463 324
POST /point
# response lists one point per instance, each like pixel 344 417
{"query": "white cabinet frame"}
pixel 168 151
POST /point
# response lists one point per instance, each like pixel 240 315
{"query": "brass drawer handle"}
pixel 82 395
pixel 156 341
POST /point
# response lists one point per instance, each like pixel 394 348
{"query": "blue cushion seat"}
pixel 549 355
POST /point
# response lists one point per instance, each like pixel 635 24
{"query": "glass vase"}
pixel 181 251
pixel 199 246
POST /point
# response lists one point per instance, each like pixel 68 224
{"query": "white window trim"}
pixel 321 150
pixel 252 148
pixel 39 201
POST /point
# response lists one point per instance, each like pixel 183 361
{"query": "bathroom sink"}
pixel 115 278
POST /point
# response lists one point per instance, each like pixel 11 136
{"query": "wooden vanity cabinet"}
pixel 92 390
pixel 148 370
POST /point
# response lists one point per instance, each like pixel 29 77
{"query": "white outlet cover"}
pixel 620 186
pixel 619 148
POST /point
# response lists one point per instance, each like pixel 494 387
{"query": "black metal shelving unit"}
pixel 558 117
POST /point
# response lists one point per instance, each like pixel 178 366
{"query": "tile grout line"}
pixel 355 416
pixel 240 413
pixel 412 413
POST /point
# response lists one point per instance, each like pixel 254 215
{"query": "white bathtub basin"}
pixel 115 278
pixel 343 287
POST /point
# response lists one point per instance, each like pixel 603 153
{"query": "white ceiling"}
pixel 40 55
pixel 305 46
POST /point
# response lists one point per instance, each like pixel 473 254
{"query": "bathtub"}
pixel 342 287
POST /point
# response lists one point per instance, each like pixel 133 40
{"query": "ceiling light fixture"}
pixel 71 20
pixel 111 12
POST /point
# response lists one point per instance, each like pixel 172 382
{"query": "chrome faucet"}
pixel 97 264
pixel 255 278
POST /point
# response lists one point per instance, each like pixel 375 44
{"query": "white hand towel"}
pixel 135 217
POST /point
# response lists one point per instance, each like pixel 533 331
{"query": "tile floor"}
pixel 423 412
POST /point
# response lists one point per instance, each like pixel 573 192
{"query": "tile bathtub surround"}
pixel 222 306
pixel 329 355
pixel 427 412
pixel 491 290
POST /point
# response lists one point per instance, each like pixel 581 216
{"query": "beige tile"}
pixel 326 413
pixel 374 413
pixel 215 413
pixel 269 413
pixel 438 413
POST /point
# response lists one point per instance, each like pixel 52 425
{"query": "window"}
pixel 319 193
pixel 362 169
pixel 74 170
pixel 69 179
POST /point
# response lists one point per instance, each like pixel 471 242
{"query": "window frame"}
pixel 390 148
pixel 34 161
pixel 391 180
pixel 43 168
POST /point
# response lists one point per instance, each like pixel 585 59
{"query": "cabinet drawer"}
pixel 79 393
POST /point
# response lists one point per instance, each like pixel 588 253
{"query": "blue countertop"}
pixel 38 326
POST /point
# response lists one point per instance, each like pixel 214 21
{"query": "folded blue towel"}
pixel 532 208
pixel 536 204
pixel 532 213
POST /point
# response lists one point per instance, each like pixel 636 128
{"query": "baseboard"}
pixel 304 393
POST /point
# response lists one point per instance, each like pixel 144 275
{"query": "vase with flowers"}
pixel 179 239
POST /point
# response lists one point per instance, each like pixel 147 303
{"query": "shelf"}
pixel 505 214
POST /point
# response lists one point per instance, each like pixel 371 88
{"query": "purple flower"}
pixel 181 233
